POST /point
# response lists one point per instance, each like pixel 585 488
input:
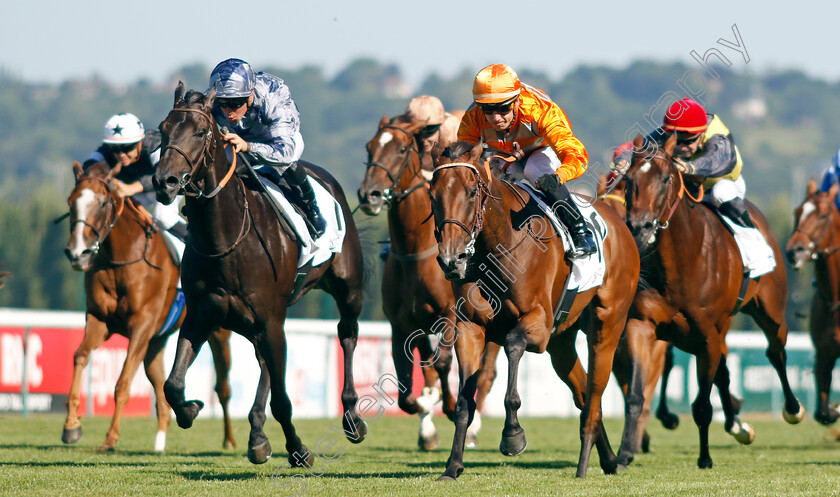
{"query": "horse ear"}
pixel 179 92
pixel 435 153
pixel 384 121
pixel 78 172
pixel 670 144
pixel 113 172
pixel 210 97
pixel 812 186
pixel 638 142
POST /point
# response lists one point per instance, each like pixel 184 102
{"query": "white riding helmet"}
pixel 124 128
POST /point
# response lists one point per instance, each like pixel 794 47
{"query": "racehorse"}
pixel 239 267
pixel 507 275
pixel 130 285
pixel 415 293
pixel 689 286
pixel 816 237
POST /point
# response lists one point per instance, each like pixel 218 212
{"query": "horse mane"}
pixel 194 96
pixel 99 169
pixel 457 149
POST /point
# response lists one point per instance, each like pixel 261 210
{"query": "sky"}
pixel 122 41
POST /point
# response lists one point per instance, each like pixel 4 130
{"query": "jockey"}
pixel 435 125
pixel 705 148
pixel 522 121
pixel 831 177
pixel 136 151
pixel 264 125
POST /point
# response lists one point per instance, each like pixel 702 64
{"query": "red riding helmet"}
pixel 686 116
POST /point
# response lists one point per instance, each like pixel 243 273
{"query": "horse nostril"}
pixel 68 253
pixel 375 195
pixel 647 226
pixel 462 256
pixel 171 181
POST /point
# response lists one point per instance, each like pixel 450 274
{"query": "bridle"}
pixel 392 195
pixel 481 203
pixel 814 241
pixel 668 211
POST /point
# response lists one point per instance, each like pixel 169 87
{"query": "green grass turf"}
pixel 783 460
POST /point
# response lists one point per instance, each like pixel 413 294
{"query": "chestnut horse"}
pixel 689 287
pixel 130 285
pixel 816 236
pixel 240 266
pixel 415 294
pixel 507 277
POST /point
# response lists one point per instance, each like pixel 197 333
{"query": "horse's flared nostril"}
pixel 69 254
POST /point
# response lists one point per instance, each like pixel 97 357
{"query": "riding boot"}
pixel 736 210
pixel 562 204
pixel 296 177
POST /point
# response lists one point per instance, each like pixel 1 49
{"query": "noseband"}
pixel 662 224
pixel 112 213
pixel 391 195
pixel 815 241
pixel 481 203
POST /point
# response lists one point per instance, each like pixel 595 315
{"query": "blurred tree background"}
pixel 784 122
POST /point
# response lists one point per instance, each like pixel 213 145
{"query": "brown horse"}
pixel 816 237
pixel 240 267
pixel 508 273
pixel 689 287
pixel 130 285
pixel 415 293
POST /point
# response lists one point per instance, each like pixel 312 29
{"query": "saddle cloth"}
pixel 756 253
pixel 587 272
pixel 315 251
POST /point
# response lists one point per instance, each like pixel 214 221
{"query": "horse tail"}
pixel 370 250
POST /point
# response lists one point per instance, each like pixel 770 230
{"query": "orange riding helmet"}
pixel 686 116
pixel 496 83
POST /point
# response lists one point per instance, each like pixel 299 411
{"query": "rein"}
pixel 392 195
pixel 481 201
pixel 662 225
pixel 813 243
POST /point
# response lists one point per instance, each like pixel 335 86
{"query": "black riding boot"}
pixel 736 210
pixel 562 204
pixel 296 177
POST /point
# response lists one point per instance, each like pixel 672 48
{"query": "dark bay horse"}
pixel 508 271
pixel 690 280
pixel 415 293
pixel 240 266
pixel 816 237
pixel 130 285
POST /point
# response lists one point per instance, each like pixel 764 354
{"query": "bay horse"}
pixel 130 285
pixel 507 276
pixel 689 286
pixel 816 237
pixel 239 267
pixel 415 293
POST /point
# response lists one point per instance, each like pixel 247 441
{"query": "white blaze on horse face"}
pixel 807 209
pixel 384 138
pixel 84 205
pixel 645 167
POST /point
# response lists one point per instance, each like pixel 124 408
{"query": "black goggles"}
pixel 499 108
pixel 686 139
pixel 122 149
pixel 232 103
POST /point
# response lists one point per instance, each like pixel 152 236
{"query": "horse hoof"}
pixel 621 468
pixel 259 454
pixel 624 459
pixel 298 463
pixel 669 420
pixel 105 448
pixel 704 463
pixel 827 419
pixel 645 443
pixel 744 433
pixel 356 431
pixel 72 435
pixel 794 418
pixel 513 445
pixel 429 443
pixel 472 440
pixel 446 478
pixel 187 413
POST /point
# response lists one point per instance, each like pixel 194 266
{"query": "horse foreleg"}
pixel 701 408
pixel 190 339
pixel 639 337
pixel 259 449
pixel 349 308
pixel 743 432
pixel 669 420
pixel 154 372
pixel 486 376
pixel 823 368
pixel 659 349
pixel 468 347
pixel 137 345
pixel 513 436
pixel 95 334
pixel 219 342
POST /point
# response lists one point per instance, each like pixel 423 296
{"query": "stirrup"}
pixel 584 245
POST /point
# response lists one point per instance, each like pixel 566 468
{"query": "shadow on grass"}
pixel 210 476
pixel 509 462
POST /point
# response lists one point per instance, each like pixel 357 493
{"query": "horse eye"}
pixel 473 192
pixel 402 150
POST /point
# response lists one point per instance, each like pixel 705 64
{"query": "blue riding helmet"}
pixel 233 78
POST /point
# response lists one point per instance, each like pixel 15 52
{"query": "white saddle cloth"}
pixel 320 250
pixel 587 272
pixel 756 253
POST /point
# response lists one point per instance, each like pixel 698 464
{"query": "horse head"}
pixel 459 190
pixel 390 152
pixel 187 145
pixel 652 191
pixel 93 212
pixel 813 223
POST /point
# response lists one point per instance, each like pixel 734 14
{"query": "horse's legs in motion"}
pixel 641 371
pixel 427 438
pixel 825 360
pixel 154 371
pixel 192 336
pixel 140 326
pixel 707 367
pixel 513 436
pixel 468 345
pixel 768 311
pixel 743 432
pixel 95 333
pixel 669 420
pixel 259 448
pixel 486 376
pixel 219 342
